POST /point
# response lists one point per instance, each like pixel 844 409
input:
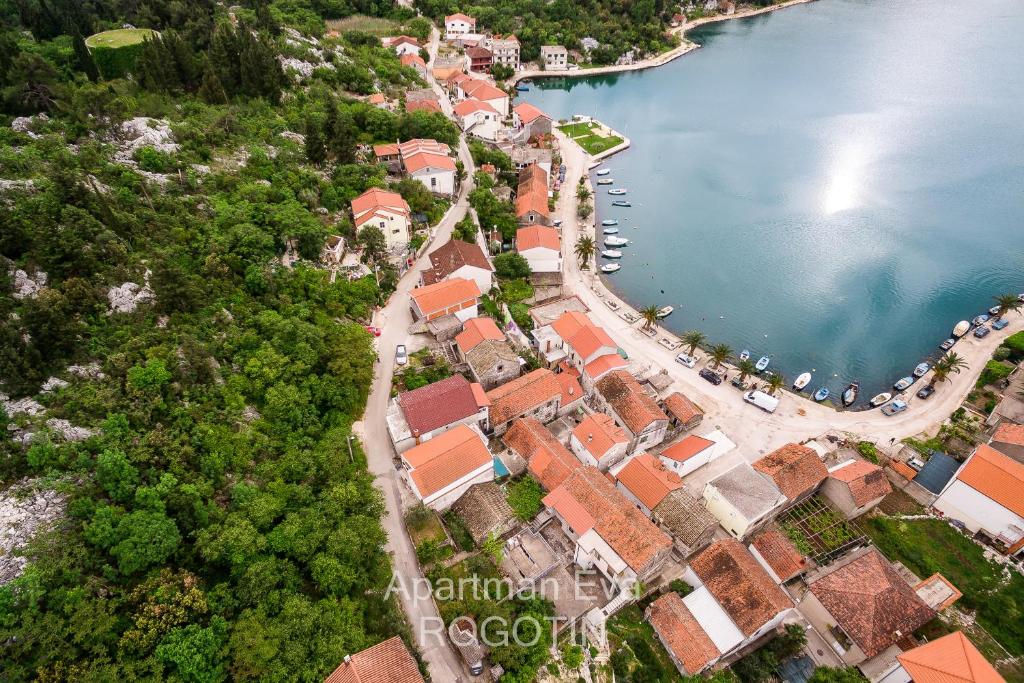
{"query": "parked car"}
pixel 897 406
pixel 1000 324
pixel 925 391
pixel 915 462
pixel 711 376
pixel 375 331
pixel 687 360
pixel 981 332
pixel 401 357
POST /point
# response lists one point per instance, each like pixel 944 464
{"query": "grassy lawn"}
pixel 926 546
pixel 595 144
pixel 424 525
pixel 575 130
pixel 635 648
pixel 119 37
pixel 375 25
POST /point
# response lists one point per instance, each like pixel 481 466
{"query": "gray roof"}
pixel 489 354
pixel 483 509
pixel 685 517
pixel 749 491
pixel 937 472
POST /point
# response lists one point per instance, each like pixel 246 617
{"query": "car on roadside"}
pixel 897 406
pixel 375 331
pixel 686 359
pixel 925 391
pixel 981 332
pixel 1000 324
pixel 711 376
pixel 401 355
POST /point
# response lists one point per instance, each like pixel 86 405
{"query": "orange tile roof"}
pixel 865 481
pixel 479 395
pixel 548 460
pixel 570 509
pixel 681 451
pixel 648 479
pixel 386 662
pixel 903 469
pixel 630 402
pixel 586 338
pixel 458 16
pixel 398 40
pixel 423 145
pixel 420 160
pixel 376 198
pixel 406 60
pixel 996 476
pixel 482 90
pixel 681 407
pixel 681 633
pixel 795 469
pixel 476 330
pixel 1009 433
pixel 377 98
pixel 528 113
pixel 571 389
pixel 538 203
pixel 445 459
pixel 949 659
pixel 598 433
pixel 444 294
pixel 423 105
pixel 780 554
pixel 537 236
pixel 386 150
pixel 445 73
pixel 602 365
pixel 740 584
pixel 467 107
pixel 514 398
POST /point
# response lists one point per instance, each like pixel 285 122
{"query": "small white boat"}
pixel 606 181
pixel 611 231
pixel 604 171
pixel 961 328
pixel 621 202
pixel 881 398
pixel 762 363
pixel 610 221
pixel 904 383
pixel 665 311
pixel 617 191
pixel 850 394
pixel 802 381
pixel 610 267
pixel 744 355
pixel 922 369
pixel 611 253
pixel 615 241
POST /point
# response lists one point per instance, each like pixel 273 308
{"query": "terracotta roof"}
pixel 571 389
pixel 548 460
pixel 865 481
pixel 481 90
pixel 632 536
pixel 442 295
pixel 949 659
pixel 438 404
pixel 602 365
pixel 681 633
pixel 476 330
pixel 423 105
pixel 398 40
pixel 538 203
pixel 903 469
pixel 871 601
pixel 682 408
pixel 585 338
pixel 630 402
pixel 648 479
pixel 377 98
pixel 996 476
pixel 458 16
pixel 528 113
pixel 386 150
pixel 406 60
pixel 795 469
pixel 598 433
pixel 376 198
pixel 686 518
pixel 570 509
pixel 423 145
pixel 537 236
pixel 420 160
pixel 1009 433
pixel 477 52
pixel 387 662
pixel 480 395
pixel 451 256
pixel 681 451
pixel 445 459
pixel 780 554
pixel 445 73
pixel 467 107
pixel 740 584
pixel 520 395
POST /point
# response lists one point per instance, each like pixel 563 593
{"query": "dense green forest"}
pixel 218 522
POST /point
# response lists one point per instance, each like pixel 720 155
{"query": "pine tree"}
pixel 83 57
pixel 211 90
pixel 224 57
pixel 154 67
pixel 316 146
pixel 184 59
pixel 261 74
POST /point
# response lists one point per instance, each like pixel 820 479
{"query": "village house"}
pixel 987 496
pixel 690 648
pixel 686 520
pixel 439 471
pixel 951 658
pixel 455 296
pixel 403 45
pixel 478 118
pixel 536 394
pixel 523 156
pixel 856 486
pixel 423 105
pixel 645 481
pixel 689 454
pixel 479 59
pixel 414 62
pixel 391 656
pixel 386 211
pixel 1008 439
pixel 531 204
pixel 862 607
pixel 458 259
pixel 531 120
pixel 333 250
pixel 554 58
pixel 504 51
pixel 599 442
pixel 479 89
pixel 573 339
pixel 457 25
pixel 778 555
pixel 378 100
pixel 541 247
pixel 421 414
pixel 483 347
pixel 683 414
pixel 436 171
pixel 621 396
pixel 796 470
pixel 484 510
pixel 546 458
pixel 609 533
pixel 743 500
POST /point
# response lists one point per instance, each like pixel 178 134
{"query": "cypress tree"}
pixel 84 58
pixel 316 147
pixel 211 90
pixel 224 57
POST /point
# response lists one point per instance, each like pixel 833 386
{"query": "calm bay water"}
pixel 834 185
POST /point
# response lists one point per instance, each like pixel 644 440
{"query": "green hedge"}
pixel 116 62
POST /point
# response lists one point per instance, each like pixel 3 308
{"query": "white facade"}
pixel 721 444
pixel 592 551
pixel 543 260
pixel 484 124
pixel 437 180
pixel 554 57
pixel 406 48
pixel 457 28
pixel 731 519
pixel 402 437
pixel 484 279
pixel 613 456
pixel 978 512
pixel 395 226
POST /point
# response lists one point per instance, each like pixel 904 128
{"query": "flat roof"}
pixel 713 619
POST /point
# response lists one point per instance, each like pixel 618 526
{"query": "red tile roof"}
pixel 681 407
pixel 630 402
pixel 514 398
pixel 536 201
pixel 451 256
pixel 865 481
pixel 476 330
pixel 571 389
pixel 795 469
pixel 445 294
pixel 423 105
pixel 949 659
pixel 602 365
pixel 386 662
pixel 681 451
pixel 458 16
pixel 585 338
pixel 420 160
pixel 438 404
pixel 871 601
pixel 528 113
pixel 389 149
pixel 570 509
pixel 407 60
pixel 1009 433
pixel 740 584
pixel 780 554
pixel 376 198
pixel 467 107
pixel 445 459
pixel 377 98
pixel 548 460
pixel 995 476
pixel 681 633
pixel 648 479
pixel 598 433
pixel 537 236
pixel 481 90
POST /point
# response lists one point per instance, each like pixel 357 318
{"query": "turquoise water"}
pixel 834 185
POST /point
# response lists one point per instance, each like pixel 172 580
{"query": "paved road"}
pixel 394 320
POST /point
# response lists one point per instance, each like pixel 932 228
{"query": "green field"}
pixel 373 25
pixel 119 37
pixel 585 136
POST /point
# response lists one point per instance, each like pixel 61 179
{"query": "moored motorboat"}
pixel 621 202
pixel 604 171
pixel 610 267
pixel 947 345
pixel 904 383
pixel 744 355
pixel 821 394
pixel 665 311
pixel 762 363
pixel 802 381
pixel 609 221
pixel 611 231
pixel 615 241
pixel 522 88
pixel 605 181
pixel 993 311
pixel 617 191
pixel 922 369
pixel 961 328
pixel 879 399
pixel 850 394
pixel 611 253
pixel 980 319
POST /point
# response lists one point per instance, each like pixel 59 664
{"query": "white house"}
pixel 541 246
pixel 478 118
pixel 386 211
pixel 417 416
pixel 456 296
pixel 440 470
pixel 987 496
pixel 645 481
pixel 742 499
pixel 480 89
pixel 458 25
pixel 458 259
pixel 403 45
pixel 435 171
pixel 554 57
pixel 599 442
pixel 693 452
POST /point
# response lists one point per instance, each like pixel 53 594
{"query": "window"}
pixel 433 182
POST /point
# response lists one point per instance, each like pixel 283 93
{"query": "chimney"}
pixel 416 435
pixel 348 659
pixel 590 437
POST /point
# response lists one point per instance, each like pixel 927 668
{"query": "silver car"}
pixel 401 357
pixel 687 360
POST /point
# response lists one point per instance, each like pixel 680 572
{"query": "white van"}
pixel 762 400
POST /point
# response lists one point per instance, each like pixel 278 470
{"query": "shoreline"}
pixel 685 47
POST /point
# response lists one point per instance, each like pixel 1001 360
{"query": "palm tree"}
pixel 950 364
pixel 585 250
pixel 1007 303
pixel 719 354
pixel 650 316
pixel 746 368
pixel 693 339
pixel 775 382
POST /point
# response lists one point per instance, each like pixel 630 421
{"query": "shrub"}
pixel 681 587
pixel 155 161
pixel 460 534
pixel 1015 343
pixel 511 266
pixel 525 496
pixel 868 450
pixel 993 373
